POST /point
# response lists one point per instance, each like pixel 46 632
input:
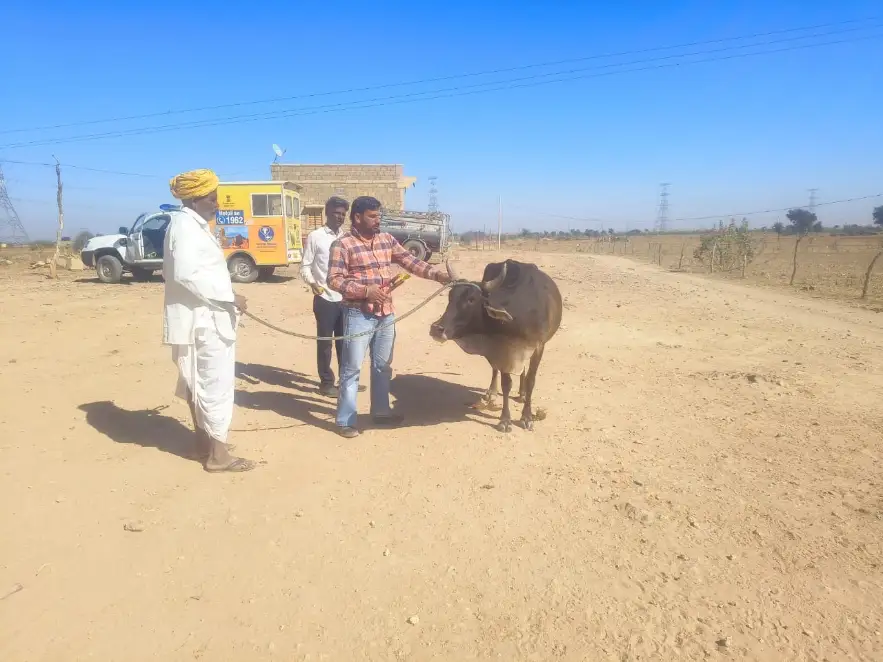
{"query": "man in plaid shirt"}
pixel 360 268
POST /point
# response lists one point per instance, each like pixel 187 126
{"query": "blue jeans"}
pixel 380 344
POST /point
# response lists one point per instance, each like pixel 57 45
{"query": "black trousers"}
pixel 329 322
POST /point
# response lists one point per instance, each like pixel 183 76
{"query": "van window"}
pixel 292 207
pixel 266 204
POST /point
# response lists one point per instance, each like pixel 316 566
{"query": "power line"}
pixel 457 91
pixel 770 211
pixel 438 79
pixel 105 171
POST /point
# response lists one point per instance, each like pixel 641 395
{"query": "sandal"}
pixel 238 465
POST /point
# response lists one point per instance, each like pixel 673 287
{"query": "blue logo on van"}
pixel 266 234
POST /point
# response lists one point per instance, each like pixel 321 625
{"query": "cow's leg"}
pixel 505 424
pixel 522 382
pixel 526 413
pixel 489 399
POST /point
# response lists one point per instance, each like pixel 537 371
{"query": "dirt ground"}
pixel 706 485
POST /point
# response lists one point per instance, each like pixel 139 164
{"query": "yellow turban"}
pixel 193 184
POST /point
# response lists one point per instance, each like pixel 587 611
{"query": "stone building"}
pixel 387 183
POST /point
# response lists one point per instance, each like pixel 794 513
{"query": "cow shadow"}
pixel 255 373
pixel 425 400
pixel 145 427
pixel 309 411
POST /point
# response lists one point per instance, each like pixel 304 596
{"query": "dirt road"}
pixel 707 484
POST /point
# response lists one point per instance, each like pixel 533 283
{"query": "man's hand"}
pixel 376 295
pixel 317 289
pixel 441 275
pixel 240 302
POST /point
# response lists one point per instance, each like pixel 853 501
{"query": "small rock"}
pixel 692 522
pixel 134 527
pixel 730 557
pixel 371 524
pixel 809 633
pixel 724 642
pixel 414 620
pixel 386 552
pixel 299 513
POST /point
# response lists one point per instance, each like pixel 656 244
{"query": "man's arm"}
pixel 306 264
pixel 411 264
pixel 338 274
pixel 187 270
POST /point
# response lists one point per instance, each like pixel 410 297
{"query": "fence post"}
pixel 713 254
pixel 868 274
pixel 744 264
pixel 659 254
pixel 681 259
pixel 794 267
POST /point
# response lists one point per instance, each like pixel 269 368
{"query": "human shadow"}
pixel 277 278
pixel 425 400
pixel 309 411
pixel 255 373
pixel 146 427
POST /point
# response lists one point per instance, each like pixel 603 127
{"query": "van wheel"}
pixel 242 269
pixel 416 248
pixel 109 269
pixel 265 273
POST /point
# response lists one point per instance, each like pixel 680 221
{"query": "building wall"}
pixel 320 182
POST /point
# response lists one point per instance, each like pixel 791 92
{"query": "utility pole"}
pixel 661 224
pixel 53 266
pixel 433 196
pixel 500 222
pixel 11 229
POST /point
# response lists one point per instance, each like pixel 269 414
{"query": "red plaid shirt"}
pixel 356 262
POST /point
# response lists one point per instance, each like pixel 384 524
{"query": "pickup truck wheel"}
pixel 109 269
pixel 416 248
pixel 141 275
pixel 242 269
pixel 266 273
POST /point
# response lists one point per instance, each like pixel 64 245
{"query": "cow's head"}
pixel 468 308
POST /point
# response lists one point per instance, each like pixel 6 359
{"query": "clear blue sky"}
pixel 732 135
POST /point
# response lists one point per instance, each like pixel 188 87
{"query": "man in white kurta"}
pixel 200 318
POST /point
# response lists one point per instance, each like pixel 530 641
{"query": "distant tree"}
pixel 611 232
pixel 802 220
pixel 878 215
pixel 525 232
pixel 778 227
pixel 81 239
pixel 817 226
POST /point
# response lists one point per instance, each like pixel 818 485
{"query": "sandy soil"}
pixel 706 485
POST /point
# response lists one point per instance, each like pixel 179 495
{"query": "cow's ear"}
pixel 498 314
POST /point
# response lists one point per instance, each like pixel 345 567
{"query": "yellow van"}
pixel 258 226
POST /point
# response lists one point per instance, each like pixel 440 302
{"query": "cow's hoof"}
pixel 527 424
pixel 504 426
pixel 485 405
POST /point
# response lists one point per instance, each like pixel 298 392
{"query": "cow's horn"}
pixel 496 282
pixel 450 269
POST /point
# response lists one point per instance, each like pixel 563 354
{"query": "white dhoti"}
pixel 207 369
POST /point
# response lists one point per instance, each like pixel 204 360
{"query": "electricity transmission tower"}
pixel 433 195
pixel 661 224
pixel 812 199
pixel 11 229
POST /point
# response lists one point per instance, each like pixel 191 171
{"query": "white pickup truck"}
pixel 137 251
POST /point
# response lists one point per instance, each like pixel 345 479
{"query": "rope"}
pixel 354 335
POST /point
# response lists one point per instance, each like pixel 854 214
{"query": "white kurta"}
pixel 202 334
